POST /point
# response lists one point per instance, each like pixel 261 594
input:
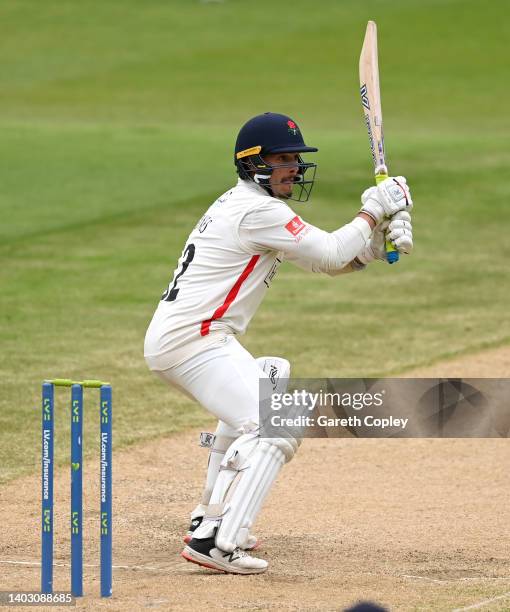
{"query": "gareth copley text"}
pixel 295 404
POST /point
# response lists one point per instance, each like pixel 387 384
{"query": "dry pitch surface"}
pixel 412 524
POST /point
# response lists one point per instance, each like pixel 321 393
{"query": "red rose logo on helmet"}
pixel 293 128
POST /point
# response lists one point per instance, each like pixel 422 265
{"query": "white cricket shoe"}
pixel 204 552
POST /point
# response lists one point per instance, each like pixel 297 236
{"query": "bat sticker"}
pixel 364 97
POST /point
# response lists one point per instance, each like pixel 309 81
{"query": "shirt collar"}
pixel 252 186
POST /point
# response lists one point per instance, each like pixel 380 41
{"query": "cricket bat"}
pixel 371 102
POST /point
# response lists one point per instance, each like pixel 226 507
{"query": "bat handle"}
pixel 392 255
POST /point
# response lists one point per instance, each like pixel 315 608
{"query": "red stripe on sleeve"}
pixel 231 296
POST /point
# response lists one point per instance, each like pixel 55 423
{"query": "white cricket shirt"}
pixel 228 263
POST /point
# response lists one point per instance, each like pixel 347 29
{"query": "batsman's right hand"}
pixel 389 197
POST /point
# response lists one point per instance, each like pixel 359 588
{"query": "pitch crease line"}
pixel 465 579
pixel 481 604
pixel 126 567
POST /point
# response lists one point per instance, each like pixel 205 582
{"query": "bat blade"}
pixel 371 97
pixel 372 111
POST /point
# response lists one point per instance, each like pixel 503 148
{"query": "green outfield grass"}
pixel 117 123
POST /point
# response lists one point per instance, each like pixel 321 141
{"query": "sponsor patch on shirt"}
pixel 295 225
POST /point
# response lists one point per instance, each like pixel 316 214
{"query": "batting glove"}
pixel 398 231
pixel 389 197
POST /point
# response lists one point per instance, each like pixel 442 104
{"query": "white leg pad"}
pixel 247 473
pixel 249 469
pixel 265 485
pixel 265 466
pixel 218 447
pixel 234 459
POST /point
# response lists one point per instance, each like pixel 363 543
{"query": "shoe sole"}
pixel 201 563
pixel 187 539
pixel 204 561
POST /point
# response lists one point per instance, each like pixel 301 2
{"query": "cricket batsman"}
pixel 228 263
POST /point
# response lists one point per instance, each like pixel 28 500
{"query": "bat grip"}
pixel 392 255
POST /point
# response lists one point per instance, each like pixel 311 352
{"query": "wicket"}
pixel 105 412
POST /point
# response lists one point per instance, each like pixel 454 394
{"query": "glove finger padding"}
pixel 403 244
pixel 401 215
pixel 400 232
pixel 397 232
pixel 394 225
pixel 401 238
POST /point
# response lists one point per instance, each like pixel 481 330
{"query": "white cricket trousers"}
pixel 224 379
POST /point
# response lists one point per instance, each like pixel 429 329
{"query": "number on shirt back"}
pixel 171 293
